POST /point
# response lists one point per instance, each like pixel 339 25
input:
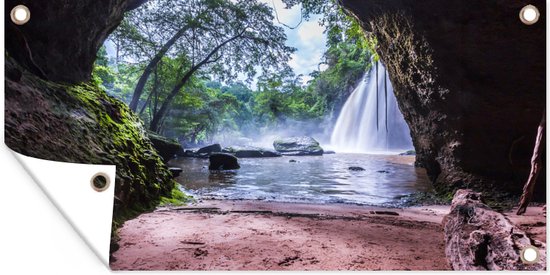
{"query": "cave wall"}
pixel 61 40
pixel 469 77
pixel 53 112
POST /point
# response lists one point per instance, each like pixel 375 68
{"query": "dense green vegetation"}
pixel 196 70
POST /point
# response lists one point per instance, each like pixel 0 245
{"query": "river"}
pixel 311 179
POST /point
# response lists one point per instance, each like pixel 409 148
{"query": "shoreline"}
pixel 260 235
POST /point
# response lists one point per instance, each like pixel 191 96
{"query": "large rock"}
pixel 469 78
pixel 223 161
pixel 167 148
pixel 298 146
pixel 214 148
pixel 478 238
pixel 251 152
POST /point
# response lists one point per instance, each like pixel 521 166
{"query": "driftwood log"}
pixel 478 238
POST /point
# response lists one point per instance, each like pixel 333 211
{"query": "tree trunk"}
pixel 478 238
pixel 155 123
pixel 157 117
pixel 536 166
pixel 138 90
pixel 153 91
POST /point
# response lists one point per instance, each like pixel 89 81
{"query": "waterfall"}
pixel 364 126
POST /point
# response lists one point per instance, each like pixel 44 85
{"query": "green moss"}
pixel 82 124
pixel 177 198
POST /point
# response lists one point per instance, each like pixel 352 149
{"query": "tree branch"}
pixel 536 166
pixel 277 17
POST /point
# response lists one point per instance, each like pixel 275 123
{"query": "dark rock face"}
pixel 52 114
pixel 469 77
pixel 166 147
pixel 298 146
pixel 214 148
pixel 223 161
pixel 62 38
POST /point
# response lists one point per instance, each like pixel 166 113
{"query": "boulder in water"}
pixel 230 150
pixel 189 153
pixel 270 154
pixel 223 161
pixel 298 146
pixel 252 152
pixel 167 148
pixel 214 148
pixel 176 171
pixel 356 168
pixel 408 153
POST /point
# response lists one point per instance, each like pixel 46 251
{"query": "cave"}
pixel 456 78
pixel 468 128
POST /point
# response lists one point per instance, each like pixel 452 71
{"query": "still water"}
pixel 311 179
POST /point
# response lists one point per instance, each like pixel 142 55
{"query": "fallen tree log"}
pixel 479 238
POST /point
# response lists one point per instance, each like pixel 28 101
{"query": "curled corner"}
pixel 69 187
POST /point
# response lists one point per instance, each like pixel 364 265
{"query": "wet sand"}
pixel 255 235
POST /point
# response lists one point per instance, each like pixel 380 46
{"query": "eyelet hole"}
pixel 529 255
pixel 100 182
pixel 20 15
pixel 529 15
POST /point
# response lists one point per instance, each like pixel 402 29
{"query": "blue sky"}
pixel 308 38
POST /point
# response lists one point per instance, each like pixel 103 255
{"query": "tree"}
pixel 219 37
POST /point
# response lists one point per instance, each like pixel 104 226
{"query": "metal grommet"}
pixel 529 15
pixel 100 182
pixel 20 15
pixel 529 255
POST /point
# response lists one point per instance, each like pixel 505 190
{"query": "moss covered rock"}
pixel 80 123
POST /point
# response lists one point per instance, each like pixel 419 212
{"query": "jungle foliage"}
pixel 198 69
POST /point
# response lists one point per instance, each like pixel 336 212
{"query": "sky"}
pixel 308 38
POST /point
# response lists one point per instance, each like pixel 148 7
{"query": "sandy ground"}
pixel 254 235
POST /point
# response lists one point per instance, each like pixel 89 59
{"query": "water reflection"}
pixel 308 179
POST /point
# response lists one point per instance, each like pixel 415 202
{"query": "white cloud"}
pixel 308 38
pixel 289 17
pixel 311 33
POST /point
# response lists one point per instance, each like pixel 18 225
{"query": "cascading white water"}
pixel 359 129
